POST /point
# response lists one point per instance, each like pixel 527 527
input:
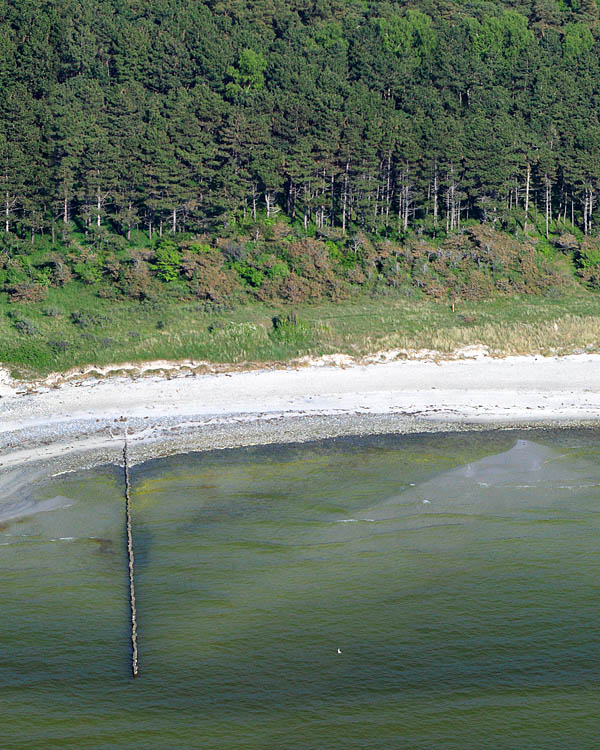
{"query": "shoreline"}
pixel 82 422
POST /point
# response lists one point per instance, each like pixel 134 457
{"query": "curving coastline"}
pixel 82 422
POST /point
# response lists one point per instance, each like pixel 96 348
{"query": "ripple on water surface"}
pixel 415 591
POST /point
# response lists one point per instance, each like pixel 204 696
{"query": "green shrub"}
pixel 589 257
pixel 15 274
pixel 334 251
pixel 89 271
pixel 199 247
pixel 251 276
pixel 278 270
pixel 167 260
pixel 289 329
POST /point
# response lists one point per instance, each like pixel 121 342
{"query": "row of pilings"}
pixel 134 647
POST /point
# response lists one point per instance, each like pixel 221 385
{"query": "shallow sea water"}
pixel 457 574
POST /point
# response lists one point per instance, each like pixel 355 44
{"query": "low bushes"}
pixel 278 266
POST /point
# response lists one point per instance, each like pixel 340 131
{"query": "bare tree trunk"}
pixel 387 190
pixel 345 199
pixel 332 200
pixel 268 202
pixel 375 203
pixel 9 204
pixel 452 211
pixel 400 206
pixel 527 186
pixel 451 202
pixel 435 196
pixel 174 221
pixel 547 204
pixel 66 210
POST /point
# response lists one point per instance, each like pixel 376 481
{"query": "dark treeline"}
pixel 179 115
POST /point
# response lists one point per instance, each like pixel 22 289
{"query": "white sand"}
pixel 477 390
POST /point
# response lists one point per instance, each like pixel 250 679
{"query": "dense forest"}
pixel 352 121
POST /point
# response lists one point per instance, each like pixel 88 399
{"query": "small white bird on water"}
pixel 339 650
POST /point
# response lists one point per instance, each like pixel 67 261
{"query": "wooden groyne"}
pixel 134 648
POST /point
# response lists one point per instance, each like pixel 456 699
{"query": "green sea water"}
pixel 457 575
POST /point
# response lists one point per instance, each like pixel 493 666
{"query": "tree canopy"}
pixel 385 116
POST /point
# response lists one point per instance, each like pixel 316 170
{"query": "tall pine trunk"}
pixel 527 188
pixel 254 197
pixel 435 195
pixel 547 203
pixel 345 198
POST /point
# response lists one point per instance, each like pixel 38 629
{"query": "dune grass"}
pixel 74 327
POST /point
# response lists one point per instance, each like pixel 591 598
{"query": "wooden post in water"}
pixel 134 648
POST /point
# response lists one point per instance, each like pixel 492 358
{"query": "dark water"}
pixel 457 574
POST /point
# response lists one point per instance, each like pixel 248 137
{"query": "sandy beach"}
pixel 82 419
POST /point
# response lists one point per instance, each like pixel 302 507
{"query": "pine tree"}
pixel 19 146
